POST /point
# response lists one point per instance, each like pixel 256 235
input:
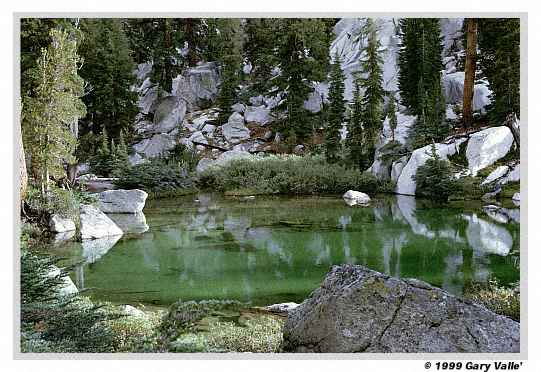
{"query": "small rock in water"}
pixel 282 308
pixel 352 198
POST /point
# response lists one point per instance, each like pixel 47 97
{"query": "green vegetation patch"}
pixel 293 175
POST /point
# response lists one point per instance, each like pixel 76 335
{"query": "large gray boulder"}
pixel 198 85
pixel 122 201
pixel 95 224
pixel 169 114
pixel 234 130
pixel 59 224
pixel 223 159
pixel 360 310
pixel 156 145
pixel 405 184
pixel 487 146
pixel 453 90
pixel 257 114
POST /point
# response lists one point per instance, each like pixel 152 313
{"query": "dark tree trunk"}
pixel 469 69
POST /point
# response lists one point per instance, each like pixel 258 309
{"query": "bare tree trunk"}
pixel 469 75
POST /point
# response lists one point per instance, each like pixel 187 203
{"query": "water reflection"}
pixel 279 249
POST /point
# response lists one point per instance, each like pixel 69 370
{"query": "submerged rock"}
pixel 360 310
pixel 352 197
pixel 122 201
pixel 135 223
pixel 95 249
pixel 95 224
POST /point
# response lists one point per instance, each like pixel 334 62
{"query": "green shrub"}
pixel 287 174
pixel 155 176
pixel 435 179
pixel 51 321
pixel 38 208
pixel 502 300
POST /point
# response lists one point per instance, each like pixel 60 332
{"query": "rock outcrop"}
pixel 488 146
pixel 122 201
pixel 453 90
pixel 405 184
pixel 360 310
pixel 95 224
pixel 169 114
pixel 156 145
pixel 257 114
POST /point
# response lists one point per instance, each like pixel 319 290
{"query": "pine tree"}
pixel 108 70
pixel 158 40
pixel 53 108
pixel 355 137
pixel 420 77
pixel 499 60
pixel 302 53
pixel 336 111
pixel 373 91
pixel 391 114
pixel 259 51
pixel 231 60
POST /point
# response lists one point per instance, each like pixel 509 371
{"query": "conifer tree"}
pixel 158 40
pixel 354 141
pixel 108 70
pixel 419 79
pixel 259 51
pixel 336 111
pixel 231 60
pixel 302 53
pixel 499 61
pixel 391 114
pixel 53 108
pixel 373 90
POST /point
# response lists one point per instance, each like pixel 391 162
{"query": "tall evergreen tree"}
pixel 499 60
pixel 419 80
pixel 391 114
pixel 374 94
pixel 158 40
pixel 336 111
pixel 259 51
pixel 302 53
pixel 53 108
pixel 231 60
pixel 355 139
pixel 108 70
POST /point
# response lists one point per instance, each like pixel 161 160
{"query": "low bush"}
pixel 500 299
pixel 56 322
pixel 286 174
pixel 155 176
pixel 435 179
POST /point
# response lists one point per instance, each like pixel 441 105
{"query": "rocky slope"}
pixel 186 114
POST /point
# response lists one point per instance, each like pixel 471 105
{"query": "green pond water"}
pixel 278 249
